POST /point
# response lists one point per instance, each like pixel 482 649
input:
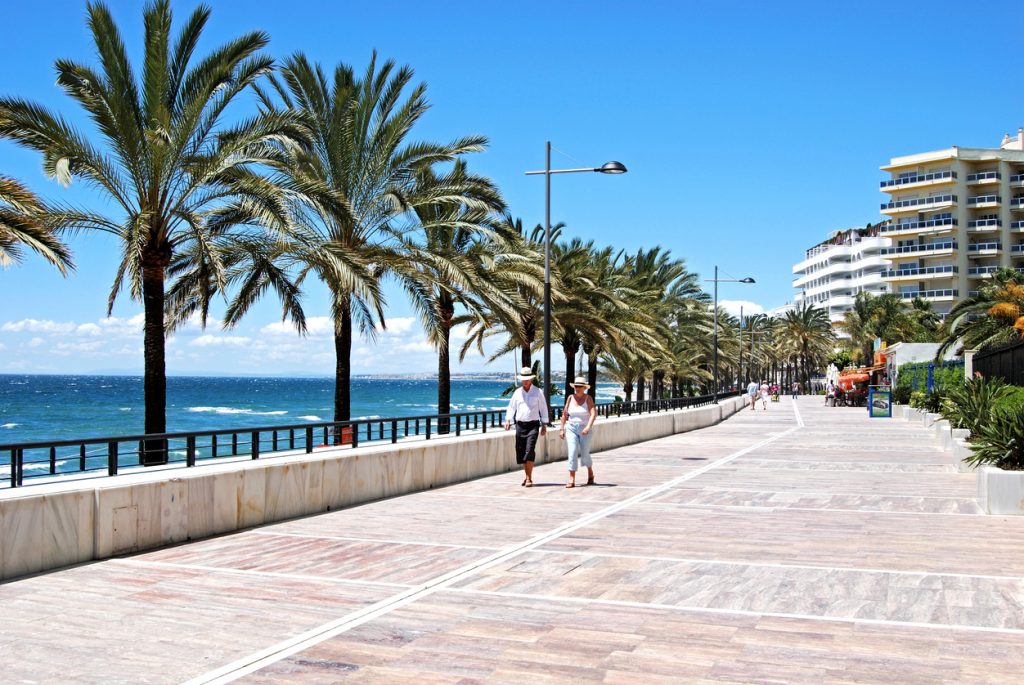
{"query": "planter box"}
pixel 962 450
pixel 941 429
pixel 954 434
pixel 1001 492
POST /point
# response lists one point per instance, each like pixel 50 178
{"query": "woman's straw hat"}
pixel 580 382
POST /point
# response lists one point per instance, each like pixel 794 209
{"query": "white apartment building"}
pixel 955 215
pixel 835 270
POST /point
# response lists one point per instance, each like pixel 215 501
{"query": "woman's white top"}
pixel 578 415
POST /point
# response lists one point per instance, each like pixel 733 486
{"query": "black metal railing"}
pixel 31 463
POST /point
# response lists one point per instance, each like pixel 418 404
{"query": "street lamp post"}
pixel 607 168
pixel 718 280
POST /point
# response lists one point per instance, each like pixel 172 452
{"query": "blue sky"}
pixel 750 131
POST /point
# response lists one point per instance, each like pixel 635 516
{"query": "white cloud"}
pixel 399 325
pixel 36 342
pixel 37 326
pixel 209 340
pixel 89 329
pixel 316 326
pixel 420 345
pixel 733 307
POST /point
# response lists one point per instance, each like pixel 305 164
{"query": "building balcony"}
pixel 930 294
pixel 907 227
pixel 918 273
pixel 918 203
pixel 984 177
pixel 1017 227
pixel 984 225
pixel 1017 202
pixel 937 178
pixel 981 201
pixel 1017 181
pixel 981 271
pixel 984 249
pixel 927 248
pixel 1017 250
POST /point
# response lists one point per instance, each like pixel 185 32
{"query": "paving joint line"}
pixel 760 507
pixel 769 564
pixel 382 541
pixel 744 612
pixel 252 572
pixel 286 648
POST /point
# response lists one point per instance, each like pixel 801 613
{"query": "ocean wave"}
pixel 310 418
pixel 125 408
pixel 10 425
pixel 368 418
pixel 235 410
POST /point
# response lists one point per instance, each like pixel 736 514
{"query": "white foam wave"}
pixel 235 410
pixel 125 408
pixel 311 418
pixel 10 425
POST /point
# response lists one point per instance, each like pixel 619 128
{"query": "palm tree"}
pixel 174 173
pixel 806 333
pixel 519 273
pixel 22 217
pixel 361 175
pixel 450 265
pixel 877 317
pixel 992 317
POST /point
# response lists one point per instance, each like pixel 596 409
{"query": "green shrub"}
pixel 1000 442
pixel 901 395
pixel 914 375
pixel 1013 400
pixel 930 402
pixel 970 404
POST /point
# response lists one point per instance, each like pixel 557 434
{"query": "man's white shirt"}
pixel 527 406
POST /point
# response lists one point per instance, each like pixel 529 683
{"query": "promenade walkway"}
pixel 802 544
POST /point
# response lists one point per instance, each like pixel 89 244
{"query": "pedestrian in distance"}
pixel 578 418
pixel 752 391
pixel 764 395
pixel 528 410
pixel 796 389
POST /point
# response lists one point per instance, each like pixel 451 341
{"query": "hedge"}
pixel 914 375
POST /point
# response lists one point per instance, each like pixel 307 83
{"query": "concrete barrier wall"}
pixel 50 526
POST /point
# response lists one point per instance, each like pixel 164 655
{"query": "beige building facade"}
pixel 954 216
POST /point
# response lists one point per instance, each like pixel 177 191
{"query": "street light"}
pixel 716 281
pixel 607 168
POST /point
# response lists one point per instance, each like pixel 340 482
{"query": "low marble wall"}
pixel 1001 492
pixel 50 526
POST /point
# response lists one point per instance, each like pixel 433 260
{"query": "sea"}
pixel 52 407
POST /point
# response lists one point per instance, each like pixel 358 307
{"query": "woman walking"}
pixel 577 421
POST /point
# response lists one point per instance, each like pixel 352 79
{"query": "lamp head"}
pixel 612 168
pixel 748 279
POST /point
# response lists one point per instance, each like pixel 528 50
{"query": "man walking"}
pixel 752 390
pixel 529 411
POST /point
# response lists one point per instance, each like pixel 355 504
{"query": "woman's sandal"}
pixel 590 481
pixel 570 485
pixel 529 483
pixel 524 482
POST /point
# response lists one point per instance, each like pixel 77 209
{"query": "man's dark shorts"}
pixel 526 440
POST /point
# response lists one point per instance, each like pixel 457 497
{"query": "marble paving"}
pixel 802 544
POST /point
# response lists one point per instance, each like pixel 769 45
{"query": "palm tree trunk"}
pixel 342 370
pixel 592 373
pixel 443 378
pixel 570 348
pixel 525 357
pixel 640 388
pixel 155 372
pixel 627 389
